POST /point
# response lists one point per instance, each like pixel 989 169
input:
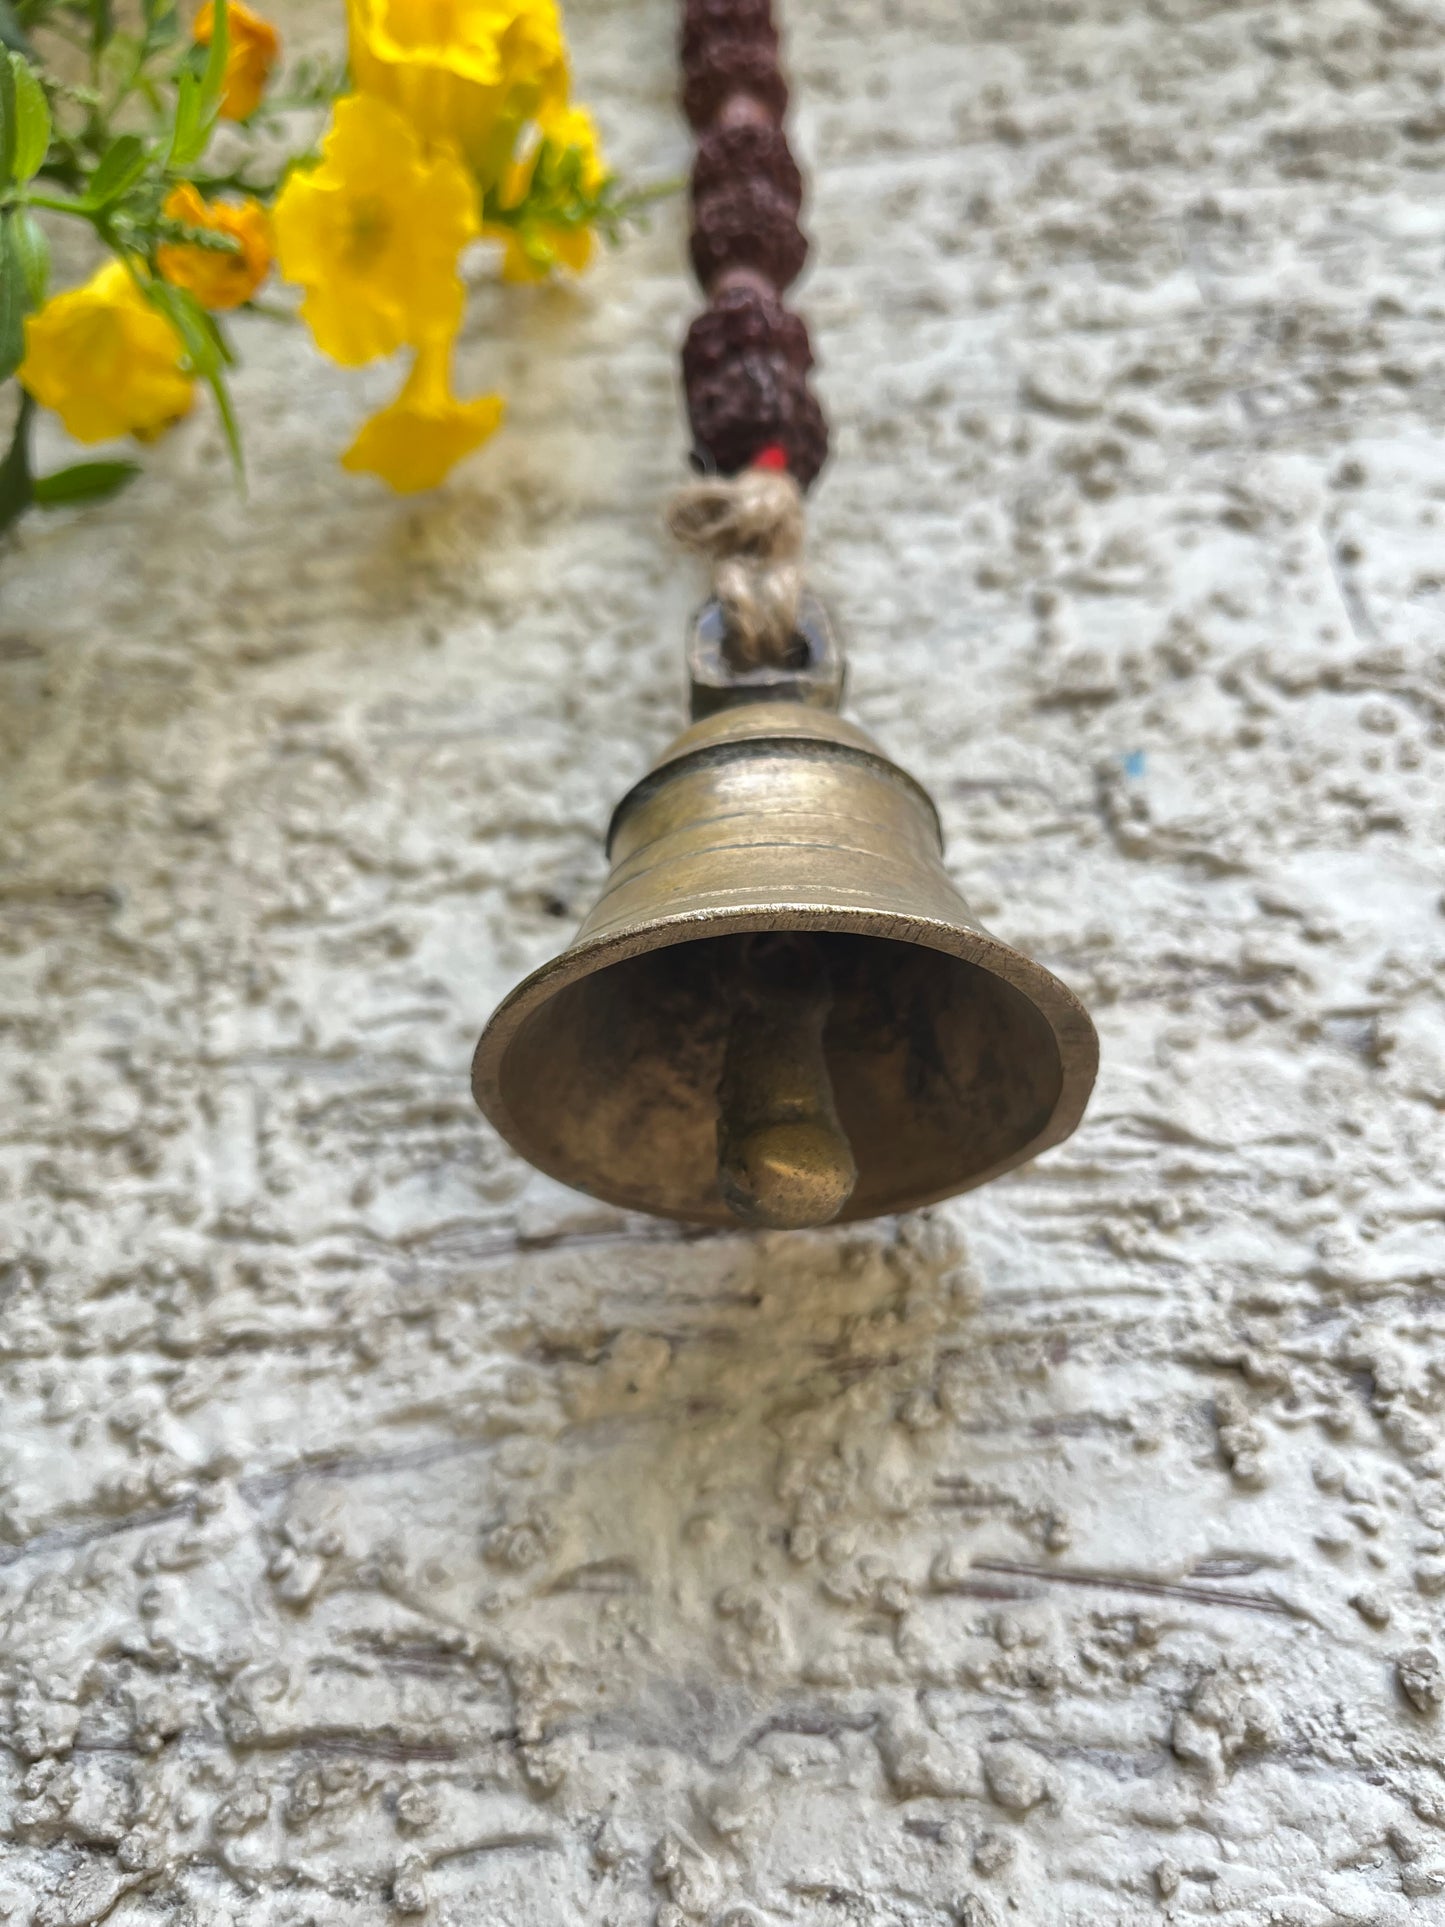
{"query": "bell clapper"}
pixel 784 1161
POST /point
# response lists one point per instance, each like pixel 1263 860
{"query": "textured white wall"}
pixel 385 1532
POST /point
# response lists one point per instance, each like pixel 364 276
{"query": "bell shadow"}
pixel 731 1451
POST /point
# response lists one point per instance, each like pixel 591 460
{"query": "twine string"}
pixel 750 526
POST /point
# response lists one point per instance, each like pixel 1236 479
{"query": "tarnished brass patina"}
pixel 781 1011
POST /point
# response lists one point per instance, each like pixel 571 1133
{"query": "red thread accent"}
pixel 770 455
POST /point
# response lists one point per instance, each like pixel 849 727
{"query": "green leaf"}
pixel 101 25
pixel 7 122
pixel 33 251
pixel 193 128
pixel 84 482
pixel 198 332
pixel 32 121
pixel 14 298
pixel 198 95
pixel 121 166
pixel 17 489
pixel 207 350
pixel 213 77
pixel 229 424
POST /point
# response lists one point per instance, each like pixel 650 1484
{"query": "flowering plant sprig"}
pixel 453 125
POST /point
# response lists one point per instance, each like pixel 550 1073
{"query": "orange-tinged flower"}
pixel 469 72
pixel 217 279
pixel 415 441
pixel 252 46
pixel 373 235
pixel 104 359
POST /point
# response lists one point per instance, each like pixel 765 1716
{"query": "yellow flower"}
pixel 471 72
pixel 572 130
pixel 105 360
pixel 252 45
pixel 217 280
pixel 563 172
pixel 373 235
pixel 415 441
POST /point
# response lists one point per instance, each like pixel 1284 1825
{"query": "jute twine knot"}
pixel 751 525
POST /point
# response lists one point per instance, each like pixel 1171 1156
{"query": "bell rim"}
pixel 1074 1032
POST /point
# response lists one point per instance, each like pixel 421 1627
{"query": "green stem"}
pixel 17 483
pixel 55 205
pixel 129 82
pixel 641 197
pixel 236 182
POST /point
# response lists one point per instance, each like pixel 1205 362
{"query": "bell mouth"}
pixel 952 1058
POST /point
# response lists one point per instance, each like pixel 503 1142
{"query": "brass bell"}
pixel 780 1011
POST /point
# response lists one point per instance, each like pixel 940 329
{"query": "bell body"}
pixel 673 1054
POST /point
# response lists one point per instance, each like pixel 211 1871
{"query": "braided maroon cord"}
pixel 746 358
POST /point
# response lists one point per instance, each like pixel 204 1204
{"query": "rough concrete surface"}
pixel 386 1533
